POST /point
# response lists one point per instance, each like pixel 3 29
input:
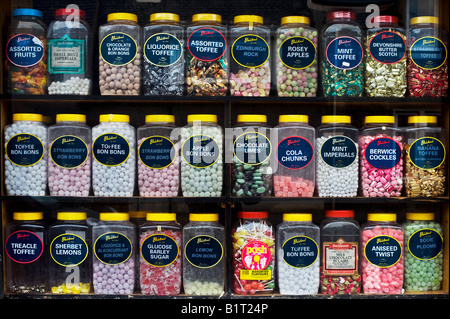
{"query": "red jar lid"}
pixel 340 213
pixel 341 15
pixel 67 12
pixel 385 19
pixel 253 215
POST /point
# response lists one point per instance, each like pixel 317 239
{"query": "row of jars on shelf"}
pixel 76 256
pixel 209 59
pixel 292 159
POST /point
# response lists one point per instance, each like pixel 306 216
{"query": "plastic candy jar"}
pixel 207 56
pixel 69 165
pixel 114 156
pixel 253 254
pixel 25 155
pixel 69 53
pixel 424 257
pixel 163 55
pixel 252 149
pixel 26 259
pixel 337 157
pixel 250 52
pixel 380 145
pixel 204 255
pixel 382 254
pixel 342 55
pixel 425 167
pixel 295 174
pixel 70 244
pixel 159 161
pixel 297 69
pixel 202 153
pixel 386 58
pixel 340 238
pixel 120 55
pixel 114 238
pixel 427 58
pixel 298 255
pixel 160 255
pixel 26 53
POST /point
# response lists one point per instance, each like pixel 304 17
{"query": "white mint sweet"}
pixel 74 85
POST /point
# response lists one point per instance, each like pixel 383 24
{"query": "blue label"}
pixel 157 152
pixel 200 151
pixel 207 44
pixel 24 149
pixel 428 53
pixel 113 248
pixel 297 52
pixel 24 247
pixel 118 49
pixel 24 50
pixel 163 49
pixel 387 47
pixel 66 56
pixel 383 251
pixel 339 151
pixel 250 51
pixel 383 153
pixel 159 250
pixel 203 251
pixel 68 250
pixel 300 251
pixel 252 148
pixel 425 244
pixel 110 149
pixel 427 153
pixel 68 151
pixel 295 152
pixel 344 53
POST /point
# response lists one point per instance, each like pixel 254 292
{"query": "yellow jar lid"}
pixel 295 19
pixel 207 17
pixel 248 18
pixel 387 119
pixel 28 215
pixel 114 118
pixel 114 216
pixel 70 118
pixel 297 217
pixel 420 216
pixel 71 216
pixel 162 217
pixel 138 214
pixel 336 119
pixel 422 119
pixel 424 19
pixel 202 118
pixel 122 16
pixel 298 118
pixel 204 217
pixel 252 118
pixel 382 217
pixel 28 117
pixel 159 118
pixel 164 16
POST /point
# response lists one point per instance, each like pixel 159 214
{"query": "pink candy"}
pixel 291 186
pixel 69 181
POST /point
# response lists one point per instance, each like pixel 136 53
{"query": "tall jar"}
pixel 25 155
pixel 26 53
pixel 163 55
pixel 381 163
pixel 295 173
pixel 252 151
pixel 204 255
pixel 70 244
pixel 202 156
pixel 114 156
pixel 427 58
pixel 160 242
pixel 339 239
pixel 253 254
pixel 297 57
pixel 382 254
pixel 69 53
pixel 114 253
pixel 425 167
pixel 386 58
pixel 120 55
pixel 207 56
pixel 26 259
pixel 337 157
pixel 250 51
pixel 298 255
pixel 159 161
pixel 342 73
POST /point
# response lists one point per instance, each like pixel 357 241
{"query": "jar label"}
pixel 200 151
pixel 427 153
pixel 207 44
pixel 24 247
pixel 300 251
pixel 387 47
pixel 339 151
pixel 157 152
pixel 68 250
pixel 428 53
pixel 383 153
pixel 68 151
pixel 344 53
pixel 256 255
pixel 113 248
pixel 24 149
pixel 383 251
pixel 250 51
pixel 340 258
pixel 163 49
pixel 118 49
pixel 425 244
pixel 295 152
pixel 24 50
pixel 203 251
pixel 297 53
pixel 252 148
pixel 159 250
pixel 66 56
pixel 110 149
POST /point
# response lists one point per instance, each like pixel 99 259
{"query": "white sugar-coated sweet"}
pixel 203 288
pixel 298 281
pixel 74 85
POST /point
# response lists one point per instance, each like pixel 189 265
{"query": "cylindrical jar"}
pixel 253 254
pixel 120 55
pixel 114 156
pixel 25 155
pixel 297 58
pixel 204 255
pixel 298 255
pixel 160 242
pixel 381 162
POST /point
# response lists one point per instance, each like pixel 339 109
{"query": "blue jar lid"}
pixel 28 12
